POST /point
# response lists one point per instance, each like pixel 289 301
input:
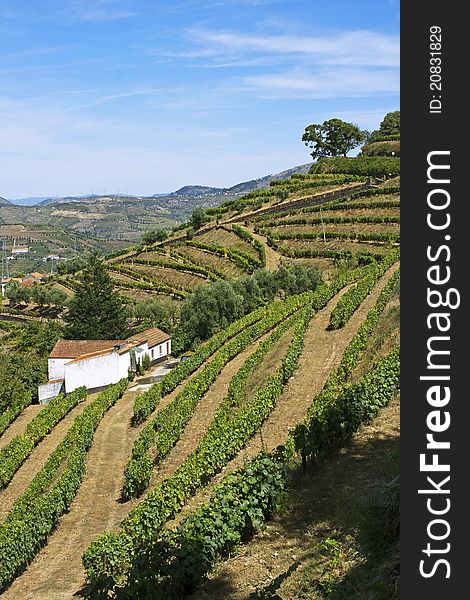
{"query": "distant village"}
pixel 18 252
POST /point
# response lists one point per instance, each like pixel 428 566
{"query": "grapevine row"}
pixel 218 273
pixel 16 407
pixel 163 563
pixel 226 435
pixel 17 451
pixel 185 267
pixel 247 237
pixel 162 433
pixel 321 253
pixel 342 203
pixel 353 298
pixel 336 235
pixel 144 282
pixel 334 220
pixel 147 402
pixel 37 511
pixel 244 260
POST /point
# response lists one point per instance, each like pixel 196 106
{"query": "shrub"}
pixel 373 166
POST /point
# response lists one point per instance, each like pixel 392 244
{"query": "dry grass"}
pixel 143 295
pixel 337 245
pixel 228 239
pixel 168 276
pixel 227 267
pixel 339 227
pixel 156 256
pixel 267 367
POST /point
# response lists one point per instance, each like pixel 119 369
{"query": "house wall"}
pixel 56 367
pixel 47 391
pixel 124 362
pixel 93 372
pixel 160 351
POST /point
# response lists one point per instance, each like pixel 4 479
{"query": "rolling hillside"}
pixel 115 218
pixel 200 459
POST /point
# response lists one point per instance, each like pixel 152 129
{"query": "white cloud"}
pixel 324 83
pixel 104 15
pixel 359 48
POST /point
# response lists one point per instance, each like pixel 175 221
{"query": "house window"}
pixel 153 353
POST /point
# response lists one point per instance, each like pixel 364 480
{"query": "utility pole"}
pixel 322 226
pixel 5 274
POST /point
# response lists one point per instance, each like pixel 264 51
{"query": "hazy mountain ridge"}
pixel 187 191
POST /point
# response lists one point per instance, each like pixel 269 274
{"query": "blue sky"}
pixel 146 96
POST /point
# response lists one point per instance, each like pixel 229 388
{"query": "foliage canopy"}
pixel 332 138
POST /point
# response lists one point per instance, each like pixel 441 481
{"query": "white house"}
pixel 97 363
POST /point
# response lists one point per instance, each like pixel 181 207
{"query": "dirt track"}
pixel 322 354
pixel 57 573
pixel 19 424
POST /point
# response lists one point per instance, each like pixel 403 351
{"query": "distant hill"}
pixel 240 188
pixel 4 201
pixel 187 191
pixel 255 184
pixel 30 201
pixel 125 218
pixel 195 191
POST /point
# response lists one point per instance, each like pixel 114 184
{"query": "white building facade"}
pixel 98 363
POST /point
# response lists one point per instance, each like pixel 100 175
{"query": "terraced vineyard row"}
pixel 132 543
pixel 180 489
pixel 218 251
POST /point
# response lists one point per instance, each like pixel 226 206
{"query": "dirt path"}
pixel 322 353
pixel 203 415
pixel 20 423
pixel 327 501
pixel 273 258
pixel 37 459
pixel 57 572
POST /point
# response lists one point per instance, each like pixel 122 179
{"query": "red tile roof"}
pixel 75 348
pixel 82 349
pixel 152 336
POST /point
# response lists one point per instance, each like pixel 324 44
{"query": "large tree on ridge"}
pixel 332 138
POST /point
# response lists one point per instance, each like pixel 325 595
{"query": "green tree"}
pixel 17 294
pixel 390 124
pixel 96 312
pixel 155 313
pixel 20 374
pixel 332 138
pixel 71 266
pixel 39 336
pixel 198 218
pixel 158 235
pixel 209 309
pixel 389 128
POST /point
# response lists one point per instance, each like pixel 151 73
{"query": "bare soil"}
pixel 20 423
pixel 322 354
pixel 326 503
pixel 37 459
